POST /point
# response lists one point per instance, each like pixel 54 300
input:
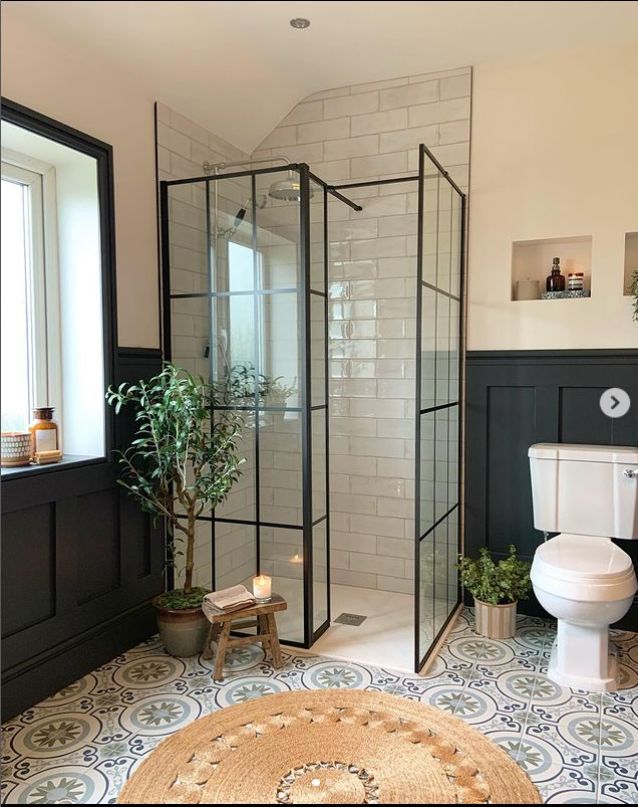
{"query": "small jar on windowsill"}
pixel 45 436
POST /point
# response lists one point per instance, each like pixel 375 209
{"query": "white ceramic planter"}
pixel 495 621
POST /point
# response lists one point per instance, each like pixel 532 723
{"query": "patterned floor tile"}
pixel 81 744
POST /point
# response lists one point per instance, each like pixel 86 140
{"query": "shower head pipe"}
pixel 215 168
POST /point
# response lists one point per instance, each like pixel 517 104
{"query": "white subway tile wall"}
pixel 359 132
pixel 372 131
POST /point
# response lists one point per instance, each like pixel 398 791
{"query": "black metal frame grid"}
pixel 420 659
pixel 304 295
pixel 420 178
pixel 304 292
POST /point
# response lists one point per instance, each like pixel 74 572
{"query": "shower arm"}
pixel 215 168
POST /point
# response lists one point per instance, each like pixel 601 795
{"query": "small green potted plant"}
pixel 181 461
pixel 633 290
pixel 244 383
pixel 496 588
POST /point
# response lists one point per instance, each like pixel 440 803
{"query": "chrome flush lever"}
pixel 629 473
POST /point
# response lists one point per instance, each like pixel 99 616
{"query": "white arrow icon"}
pixel 615 402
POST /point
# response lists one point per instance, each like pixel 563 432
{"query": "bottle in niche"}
pixel 44 431
pixel 555 281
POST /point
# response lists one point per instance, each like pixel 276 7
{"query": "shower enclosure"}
pixel 245 271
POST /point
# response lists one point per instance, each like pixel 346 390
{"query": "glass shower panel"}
pixel 317 237
pixel 453 552
pixel 318 349
pixel 456 246
pixel 187 231
pixel 280 468
pixel 439 342
pixel 425 625
pixel 428 346
pixel 444 236
pixel 280 369
pixel 454 349
pixel 235 554
pixel 190 334
pixel 426 475
pixel 453 456
pixel 230 212
pixel 319 469
pixel 281 557
pixel 277 234
pixel 320 560
pixel 240 503
pixel 245 266
pixel 440 574
pixel 442 350
pixel 441 457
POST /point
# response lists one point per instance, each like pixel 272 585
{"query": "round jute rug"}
pixel 329 747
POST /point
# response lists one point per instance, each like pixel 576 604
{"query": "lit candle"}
pixel 296 559
pixel 262 587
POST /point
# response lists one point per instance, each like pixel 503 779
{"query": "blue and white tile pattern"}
pixel 80 745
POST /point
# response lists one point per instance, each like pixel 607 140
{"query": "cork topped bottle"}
pixel 44 430
pixel 556 280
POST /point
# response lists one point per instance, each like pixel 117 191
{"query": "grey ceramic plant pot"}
pixel 183 632
pixel 495 621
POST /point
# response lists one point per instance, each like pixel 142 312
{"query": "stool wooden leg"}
pixel 218 675
pixel 274 641
pixel 264 634
pixel 210 638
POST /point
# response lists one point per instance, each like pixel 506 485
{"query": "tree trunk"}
pixel 190 551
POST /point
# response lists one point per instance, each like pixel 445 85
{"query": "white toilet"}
pixel 588 494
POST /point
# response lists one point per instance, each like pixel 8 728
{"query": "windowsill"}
pixel 68 461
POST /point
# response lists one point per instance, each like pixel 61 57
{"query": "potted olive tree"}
pixel 181 461
pixel 496 588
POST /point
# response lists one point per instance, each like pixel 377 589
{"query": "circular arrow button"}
pixel 615 402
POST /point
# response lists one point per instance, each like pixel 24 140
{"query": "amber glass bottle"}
pixel 44 430
pixel 555 281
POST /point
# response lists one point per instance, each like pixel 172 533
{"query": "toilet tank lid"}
pixel 584 453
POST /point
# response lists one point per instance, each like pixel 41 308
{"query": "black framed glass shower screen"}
pixel 245 279
pixel 441 223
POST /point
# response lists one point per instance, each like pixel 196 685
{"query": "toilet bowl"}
pixel 588 494
pixel 587 583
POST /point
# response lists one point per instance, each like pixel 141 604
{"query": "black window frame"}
pixel 102 152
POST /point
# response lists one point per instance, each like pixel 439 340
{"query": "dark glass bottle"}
pixel 555 281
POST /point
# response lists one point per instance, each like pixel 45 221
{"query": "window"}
pixel 242 306
pixel 58 280
pixel 30 371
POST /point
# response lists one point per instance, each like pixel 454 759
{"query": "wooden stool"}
pixel 260 616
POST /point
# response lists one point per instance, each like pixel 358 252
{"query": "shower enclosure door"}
pixel 441 220
pixel 245 306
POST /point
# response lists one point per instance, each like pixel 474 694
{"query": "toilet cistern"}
pixel 589 495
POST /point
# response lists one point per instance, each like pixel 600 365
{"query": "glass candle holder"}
pixel 262 588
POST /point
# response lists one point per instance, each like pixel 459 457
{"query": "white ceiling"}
pixel 237 68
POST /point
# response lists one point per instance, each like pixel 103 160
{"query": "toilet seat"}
pixel 583 568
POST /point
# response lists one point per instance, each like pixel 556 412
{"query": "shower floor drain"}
pixel 350 619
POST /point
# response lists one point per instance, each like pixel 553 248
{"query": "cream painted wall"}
pixel 41 74
pixel 554 153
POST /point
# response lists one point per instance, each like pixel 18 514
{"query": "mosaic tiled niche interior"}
pixel 81 745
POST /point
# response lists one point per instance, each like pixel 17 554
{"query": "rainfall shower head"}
pixel 288 189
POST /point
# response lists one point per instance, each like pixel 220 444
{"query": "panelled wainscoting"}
pixel 80 562
pixel 516 398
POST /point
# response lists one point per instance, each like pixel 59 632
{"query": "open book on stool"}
pixel 229 599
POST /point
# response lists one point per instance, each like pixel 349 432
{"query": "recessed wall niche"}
pixel 631 259
pixel 532 260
